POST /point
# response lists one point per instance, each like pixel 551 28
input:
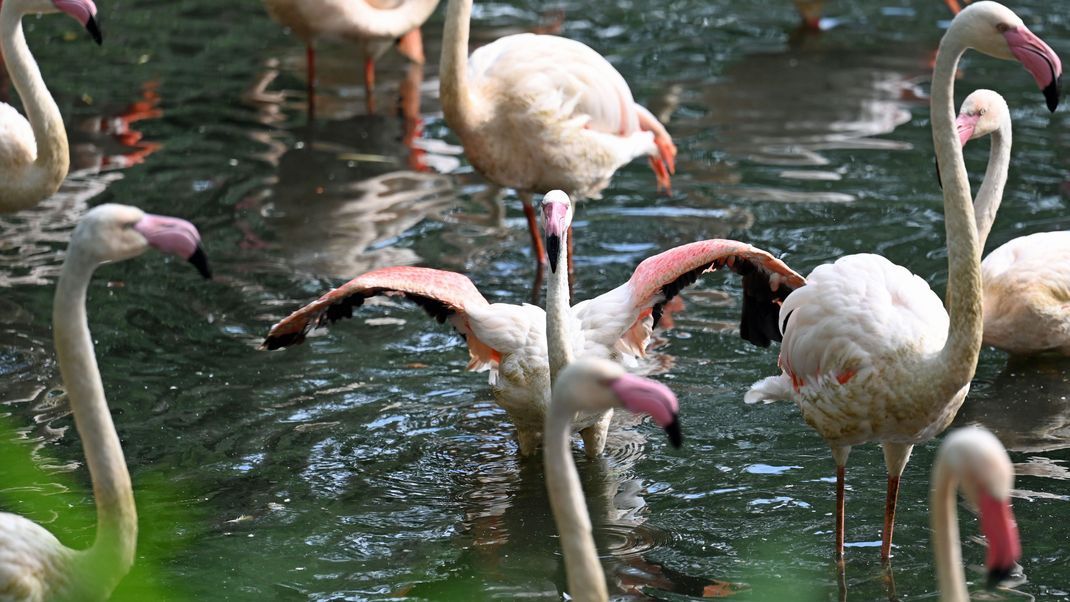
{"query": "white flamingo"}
pixel 869 353
pixel 34 565
pixel 511 340
pixel 591 386
pixel 973 460
pixel 373 24
pixel 34 156
pixel 539 112
pixel 1027 280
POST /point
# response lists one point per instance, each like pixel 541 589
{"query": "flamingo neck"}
pixel 990 195
pixel 943 518
pixel 586 582
pixel 53 157
pixel 112 553
pixel 558 314
pixel 959 357
pixel 457 105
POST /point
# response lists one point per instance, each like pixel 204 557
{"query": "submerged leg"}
pixel 369 84
pixel 594 437
pixel 840 455
pixel 310 68
pixel 895 458
pixel 528 440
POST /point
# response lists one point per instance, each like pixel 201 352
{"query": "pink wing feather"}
pixel 443 295
pixel 767 281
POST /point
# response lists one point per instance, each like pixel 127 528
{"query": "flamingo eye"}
pixel 1002 27
pixel 982 112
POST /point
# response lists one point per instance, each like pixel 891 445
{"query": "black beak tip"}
pixel 94 31
pixel 997 575
pixel 200 261
pixel 1051 94
pixel 676 438
pixel 553 248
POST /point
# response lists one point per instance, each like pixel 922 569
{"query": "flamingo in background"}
pixel 34 157
pixel 511 340
pixel 975 461
pixel 373 24
pixel 34 565
pixel 869 353
pixel 538 112
pixel 592 386
pixel 810 11
pixel 1025 280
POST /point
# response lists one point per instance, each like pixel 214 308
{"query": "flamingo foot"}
pixel 411 46
pixel 661 172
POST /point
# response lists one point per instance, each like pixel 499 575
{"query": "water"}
pixel 367 463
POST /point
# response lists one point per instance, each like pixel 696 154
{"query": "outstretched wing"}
pixel 619 318
pixel 445 296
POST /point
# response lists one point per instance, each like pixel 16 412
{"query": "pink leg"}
pixel 571 267
pixel 533 227
pixel 411 46
pixel 310 62
pixel 889 518
pixel 369 84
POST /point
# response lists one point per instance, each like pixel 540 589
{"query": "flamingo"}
pixel 511 341
pixel 374 24
pixel 34 565
pixel 869 353
pixel 592 386
pixel 34 157
pixel 540 112
pixel 810 11
pixel 1025 308
pixel 975 461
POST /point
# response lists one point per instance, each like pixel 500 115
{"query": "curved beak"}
pixel 176 237
pixel 94 30
pixel 965 124
pixel 1039 59
pixel 1001 531
pixel 555 219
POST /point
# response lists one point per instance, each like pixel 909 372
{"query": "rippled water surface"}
pixel 367 463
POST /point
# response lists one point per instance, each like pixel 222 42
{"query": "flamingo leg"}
pixel 369 84
pixel 410 111
pixel 895 458
pixel 841 473
pixel 310 65
pixel 533 228
pixel 571 267
pixel 411 46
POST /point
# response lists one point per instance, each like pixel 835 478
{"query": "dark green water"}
pixel 367 463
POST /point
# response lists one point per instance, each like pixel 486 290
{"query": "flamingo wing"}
pixel 445 296
pixel 619 318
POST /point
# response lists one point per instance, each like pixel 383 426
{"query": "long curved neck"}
pixel 393 22
pixel 558 341
pixel 943 518
pixel 959 357
pixel 586 582
pixel 112 552
pixel 457 104
pixel 53 157
pixel 990 195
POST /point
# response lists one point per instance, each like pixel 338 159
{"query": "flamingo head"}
pixel 598 384
pixel 982 113
pixel 986 478
pixel 995 30
pixel 113 232
pixel 83 11
pixel 557 218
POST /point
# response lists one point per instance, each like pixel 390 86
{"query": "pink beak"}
pixel 555 223
pixel 965 125
pixel 1004 547
pixel 176 237
pixel 1039 59
pixel 644 396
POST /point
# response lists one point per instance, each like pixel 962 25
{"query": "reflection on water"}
pixel 368 464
